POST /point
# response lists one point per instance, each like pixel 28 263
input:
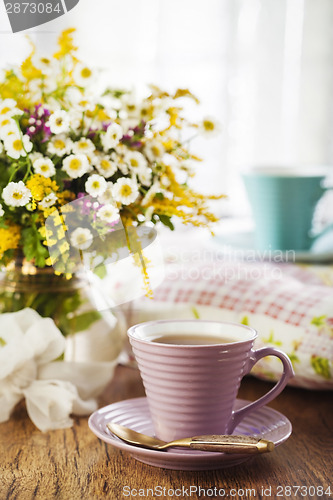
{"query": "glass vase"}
pixel 91 335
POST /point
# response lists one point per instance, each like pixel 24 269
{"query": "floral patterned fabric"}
pixel 290 305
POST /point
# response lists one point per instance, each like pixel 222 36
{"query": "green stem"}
pixel 28 172
pixel 190 138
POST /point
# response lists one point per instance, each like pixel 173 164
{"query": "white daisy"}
pixel 17 146
pixel 8 127
pixel 2 212
pixel 136 161
pixel 152 191
pixel 146 111
pixel 107 196
pixel 95 185
pixel 154 150
pixel 125 190
pixel 35 155
pixel 112 136
pixel 81 238
pixel 59 145
pixel 44 166
pixel 122 166
pixel 145 176
pixel 91 157
pixel 108 213
pixel 6 105
pixel 8 108
pixel 48 201
pixel 129 103
pixel 6 121
pixel 16 194
pixel 83 146
pixel 82 75
pixel 59 122
pixel 45 64
pixel 209 126
pixel 86 105
pixel 76 165
pixel 165 181
pixel 118 157
pixel 75 119
pixel 105 166
pixel 74 95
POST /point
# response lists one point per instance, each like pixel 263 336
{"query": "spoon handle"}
pixel 231 444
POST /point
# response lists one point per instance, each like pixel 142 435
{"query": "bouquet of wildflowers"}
pixel 60 142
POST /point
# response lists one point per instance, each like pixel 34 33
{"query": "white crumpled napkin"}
pixel 53 390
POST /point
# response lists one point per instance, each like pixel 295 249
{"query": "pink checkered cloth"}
pixel 291 307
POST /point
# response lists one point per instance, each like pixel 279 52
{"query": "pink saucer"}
pixel 134 413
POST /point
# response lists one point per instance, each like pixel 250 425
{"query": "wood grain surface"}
pixel 73 464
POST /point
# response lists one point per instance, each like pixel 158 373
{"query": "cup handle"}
pixel 288 372
pixel 327 229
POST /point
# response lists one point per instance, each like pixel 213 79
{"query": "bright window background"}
pixel 262 67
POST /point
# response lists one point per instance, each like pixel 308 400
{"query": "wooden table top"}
pixel 74 464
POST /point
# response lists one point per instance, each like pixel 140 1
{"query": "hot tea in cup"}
pixel 191 371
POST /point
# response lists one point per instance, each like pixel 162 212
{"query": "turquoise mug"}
pixel 283 202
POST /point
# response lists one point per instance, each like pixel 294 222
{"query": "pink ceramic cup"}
pixel 191 389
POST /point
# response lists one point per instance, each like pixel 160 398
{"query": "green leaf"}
pixel 321 366
pixel 245 321
pixel 195 312
pixel 83 321
pixel 60 176
pixel 2 342
pixel 159 196
pixel 100 271
pixel 319 320
pixel 33 249
pixel 293 358
pixel 270 339
pixel 166 220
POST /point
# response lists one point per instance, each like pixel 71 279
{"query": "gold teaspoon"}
pixel 221 443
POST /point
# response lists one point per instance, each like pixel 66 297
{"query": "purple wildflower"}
pixel 37 123
pixel 133 136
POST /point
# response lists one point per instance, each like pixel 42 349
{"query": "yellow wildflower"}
pixel 48 211
pixel 65 197
pixel 45 233
pixel 28 70
pixel 41 186
pixel 65 43
pixel 50 242
pixel 185 93
pixel 174 117
pixel 64 247
pixel 49 261
pixel 169 144
pixel 102 115
pixel 142 262
pixel 61 233
pixel 12 88
pixel 9 238
pixel 57 219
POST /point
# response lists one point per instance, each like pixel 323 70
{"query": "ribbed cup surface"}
pixel 191 390
pixel 283 206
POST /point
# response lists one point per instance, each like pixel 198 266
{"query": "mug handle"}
pixel 326 229
pixel 288 372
